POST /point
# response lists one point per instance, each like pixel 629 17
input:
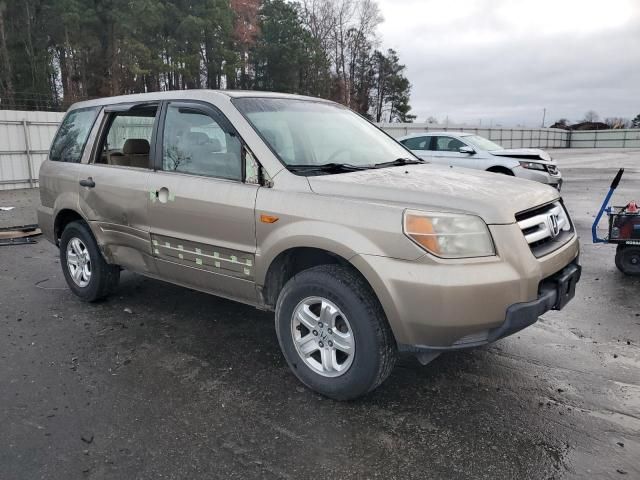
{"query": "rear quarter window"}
pixel 72 135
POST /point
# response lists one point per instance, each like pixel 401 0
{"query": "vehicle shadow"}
pixel 224 381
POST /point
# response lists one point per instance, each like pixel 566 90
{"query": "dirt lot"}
pixel 163 382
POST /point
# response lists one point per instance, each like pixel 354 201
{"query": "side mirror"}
pixel 466 149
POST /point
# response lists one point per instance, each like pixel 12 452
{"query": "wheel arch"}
pixel 501 169
pixel 293 260
pixel 63 218
pixel 67 215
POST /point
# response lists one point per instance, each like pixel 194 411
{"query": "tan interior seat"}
pixel 135 153
pixel 113 158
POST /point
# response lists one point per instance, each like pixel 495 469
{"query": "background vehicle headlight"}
pixel 532 166
pixel 449 235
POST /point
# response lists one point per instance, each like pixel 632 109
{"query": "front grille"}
pixel 545 228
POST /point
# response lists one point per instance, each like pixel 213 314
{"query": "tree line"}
pixel 592 118
pixel 56 52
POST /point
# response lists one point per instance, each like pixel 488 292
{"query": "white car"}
pixel 468 150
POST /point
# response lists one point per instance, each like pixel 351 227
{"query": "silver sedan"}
pixel 468 150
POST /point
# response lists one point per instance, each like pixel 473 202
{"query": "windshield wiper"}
pixel 398 162
pixel 328 168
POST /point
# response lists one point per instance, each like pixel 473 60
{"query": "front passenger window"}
pixel 448 144
pixel 195 143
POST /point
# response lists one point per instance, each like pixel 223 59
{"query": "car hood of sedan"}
pixel 523 153
pixel 495 198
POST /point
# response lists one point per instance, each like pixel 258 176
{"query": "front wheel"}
pixel 628 259
pixel 84 268
pixel 502 171
pixel 333 332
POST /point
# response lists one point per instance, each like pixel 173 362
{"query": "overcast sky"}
pixel 503 61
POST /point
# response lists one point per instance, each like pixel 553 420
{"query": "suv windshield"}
pixel 482 143
pixel 308 133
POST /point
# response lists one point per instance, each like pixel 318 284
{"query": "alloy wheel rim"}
pixel 78 262
pixel 323 337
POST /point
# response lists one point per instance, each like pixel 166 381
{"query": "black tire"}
pixel 104 277
pixel 501 171
pixel 628 259
pixel 375 347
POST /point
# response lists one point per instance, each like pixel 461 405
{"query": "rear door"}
pixel 114 185
pixel 201 213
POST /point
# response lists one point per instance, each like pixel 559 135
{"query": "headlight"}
pixel 449 235
pixel 532 166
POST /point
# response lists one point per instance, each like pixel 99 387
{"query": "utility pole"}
pixel 544 114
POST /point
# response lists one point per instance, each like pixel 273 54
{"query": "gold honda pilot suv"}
pixel 300 206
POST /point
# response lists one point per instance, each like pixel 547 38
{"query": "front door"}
pixel 201 210
pixel 446 150
pixel 114 185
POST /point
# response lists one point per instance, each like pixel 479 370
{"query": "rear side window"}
pixel 126 139
pixel 72 135
pixel 417 143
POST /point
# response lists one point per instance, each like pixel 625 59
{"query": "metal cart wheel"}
pixel 628 259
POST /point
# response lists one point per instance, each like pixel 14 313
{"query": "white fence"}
pixel 507 137
pixel 628 138
pixel 24 144
pixel 532 137
pixel 25 138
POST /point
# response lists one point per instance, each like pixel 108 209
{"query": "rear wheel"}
pixel 333 332
pixel 84 268
pixel 628 259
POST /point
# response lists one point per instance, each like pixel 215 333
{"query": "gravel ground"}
pixel 164 382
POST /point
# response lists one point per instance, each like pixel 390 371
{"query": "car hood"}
pixel 534 154
pixel 495 198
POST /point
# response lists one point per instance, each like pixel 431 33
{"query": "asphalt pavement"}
pixel 161 382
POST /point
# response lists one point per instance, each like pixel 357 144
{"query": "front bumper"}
pixel 554 181
pixel 555 293
pixel 436 303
